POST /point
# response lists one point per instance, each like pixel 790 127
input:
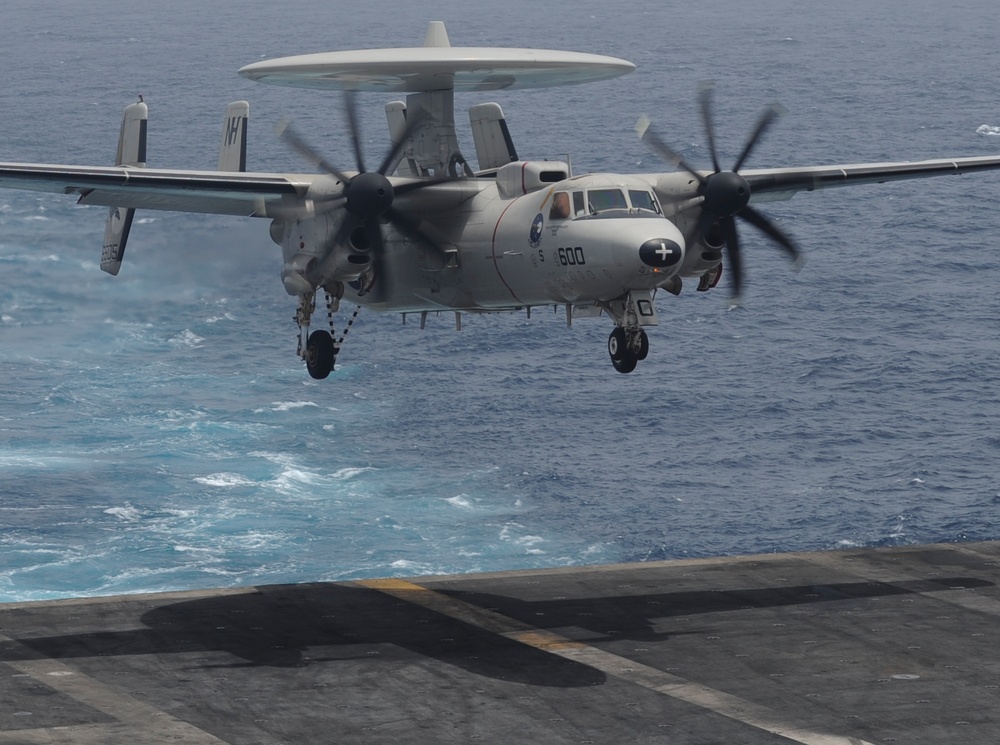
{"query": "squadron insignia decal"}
pixel 535 237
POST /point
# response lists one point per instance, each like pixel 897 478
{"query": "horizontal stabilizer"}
pixel 494 147
pixel 131 154
pixel 233 151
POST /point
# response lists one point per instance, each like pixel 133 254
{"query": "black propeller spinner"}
pixel 725 195
pixel 368 196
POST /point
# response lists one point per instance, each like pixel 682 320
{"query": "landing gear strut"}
pixel 318 349
pixel 627 347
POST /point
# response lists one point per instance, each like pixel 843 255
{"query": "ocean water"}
pixel 157 431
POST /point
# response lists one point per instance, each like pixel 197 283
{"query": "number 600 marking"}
pixel 572 256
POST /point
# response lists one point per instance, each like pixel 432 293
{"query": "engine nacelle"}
pixel 342 265
pixel 310 260
pixel 293 274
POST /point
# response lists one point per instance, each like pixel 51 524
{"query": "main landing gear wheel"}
pixel 626 349
pixel 319 354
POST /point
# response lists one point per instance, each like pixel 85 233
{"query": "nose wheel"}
pixel 627 347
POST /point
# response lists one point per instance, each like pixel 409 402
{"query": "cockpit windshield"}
pixel 603 203
pixel 643 200
pixel 601 200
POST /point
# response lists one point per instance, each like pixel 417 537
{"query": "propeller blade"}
pixel 682 202
pixel 767 118
pixel 424 182
pixel 733 255
pixel 763 224
pixel 365 198
pixel 412 125
pixel 724 195
pixel 352 124
pixel 701 228
pixel 373 234
pixel 705 100
pixel 346 227
pixel 410 227
pixel 343 232
pixel 645 130
pixel 287 133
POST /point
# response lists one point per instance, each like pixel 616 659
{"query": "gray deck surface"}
pixel 860 646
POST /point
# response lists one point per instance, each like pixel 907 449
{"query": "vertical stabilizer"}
pixel 437 35
pixel 494 147
pixel 233 151
pixel 131 154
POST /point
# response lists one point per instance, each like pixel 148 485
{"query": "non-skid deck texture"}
pixel 866 646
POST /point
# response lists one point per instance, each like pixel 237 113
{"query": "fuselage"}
pixel 586 239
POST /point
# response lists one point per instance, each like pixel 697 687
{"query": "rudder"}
pixel 131 154
pixel 233 151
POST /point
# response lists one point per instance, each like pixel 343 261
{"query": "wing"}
pixel 777 184
pixel 773 184
pixel 215 192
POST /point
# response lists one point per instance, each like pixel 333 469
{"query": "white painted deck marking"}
pixel 732 707
pixel 131 715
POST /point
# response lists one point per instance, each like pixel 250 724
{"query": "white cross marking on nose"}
pixel 663 252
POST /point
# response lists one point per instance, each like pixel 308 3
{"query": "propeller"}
pixel 724 195
pixel 368 196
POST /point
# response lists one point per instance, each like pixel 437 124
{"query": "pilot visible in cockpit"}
pixel 560 206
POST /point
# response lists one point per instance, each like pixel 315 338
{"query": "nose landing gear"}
pixel 627 347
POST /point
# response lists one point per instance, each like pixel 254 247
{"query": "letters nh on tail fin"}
pixel 233 151
pixel 131 154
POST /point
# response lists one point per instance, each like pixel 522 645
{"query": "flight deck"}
pixel 830 648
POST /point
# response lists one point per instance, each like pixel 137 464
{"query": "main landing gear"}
pixel 320 354
pixel 627 347
pixel 318 349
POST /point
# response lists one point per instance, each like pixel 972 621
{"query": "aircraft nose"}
pixel 660 252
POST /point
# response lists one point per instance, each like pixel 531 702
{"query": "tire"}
pixel 319 354
pixel 643 349
pixel 617 344
pixel 626 364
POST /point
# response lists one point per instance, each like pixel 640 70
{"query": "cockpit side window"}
pixel 560 206
pixel 579 205
pixel 600 200
pixel 643 200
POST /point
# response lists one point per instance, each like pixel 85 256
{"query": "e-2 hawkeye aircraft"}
pixel 424 232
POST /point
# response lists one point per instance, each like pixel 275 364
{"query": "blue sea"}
pixel 157 431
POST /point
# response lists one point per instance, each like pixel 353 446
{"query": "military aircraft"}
pixel 425 232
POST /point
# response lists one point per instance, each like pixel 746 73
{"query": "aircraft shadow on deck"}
pixel 301 625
